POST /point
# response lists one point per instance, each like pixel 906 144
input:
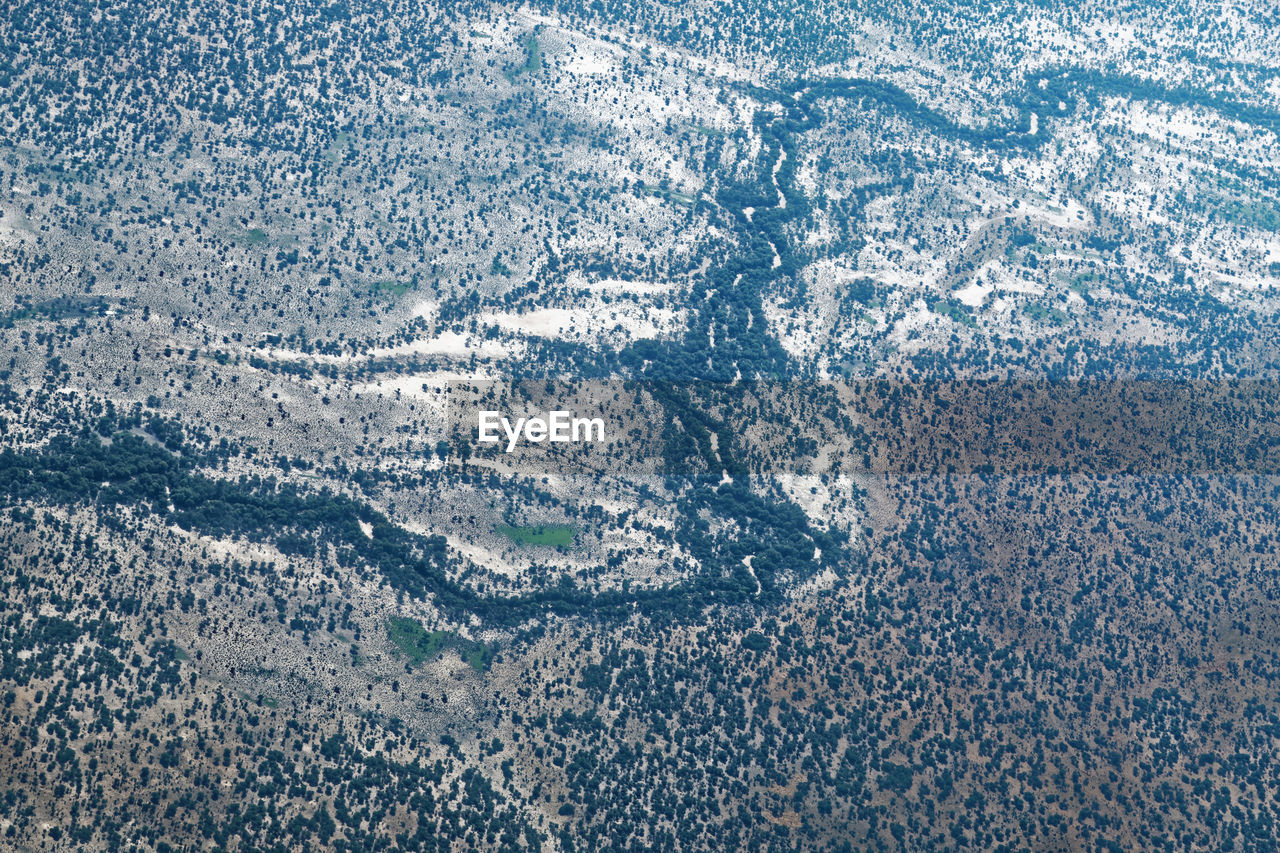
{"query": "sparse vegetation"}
pixel 261 590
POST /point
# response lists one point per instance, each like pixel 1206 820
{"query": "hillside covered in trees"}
pixel 935 351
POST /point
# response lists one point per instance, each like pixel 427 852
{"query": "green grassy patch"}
pixel 1262 214
pixel 256 236
pixel 391 288
pixel 669 195
pixel 478 657
pixel 532 60
pixel 1040 311
pixel 540 534
pixel 62 307
pixel 414 641
pixel 418 644
pixel 955 310
pixel 1080 284
pixel 338 147
pixel 260 699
